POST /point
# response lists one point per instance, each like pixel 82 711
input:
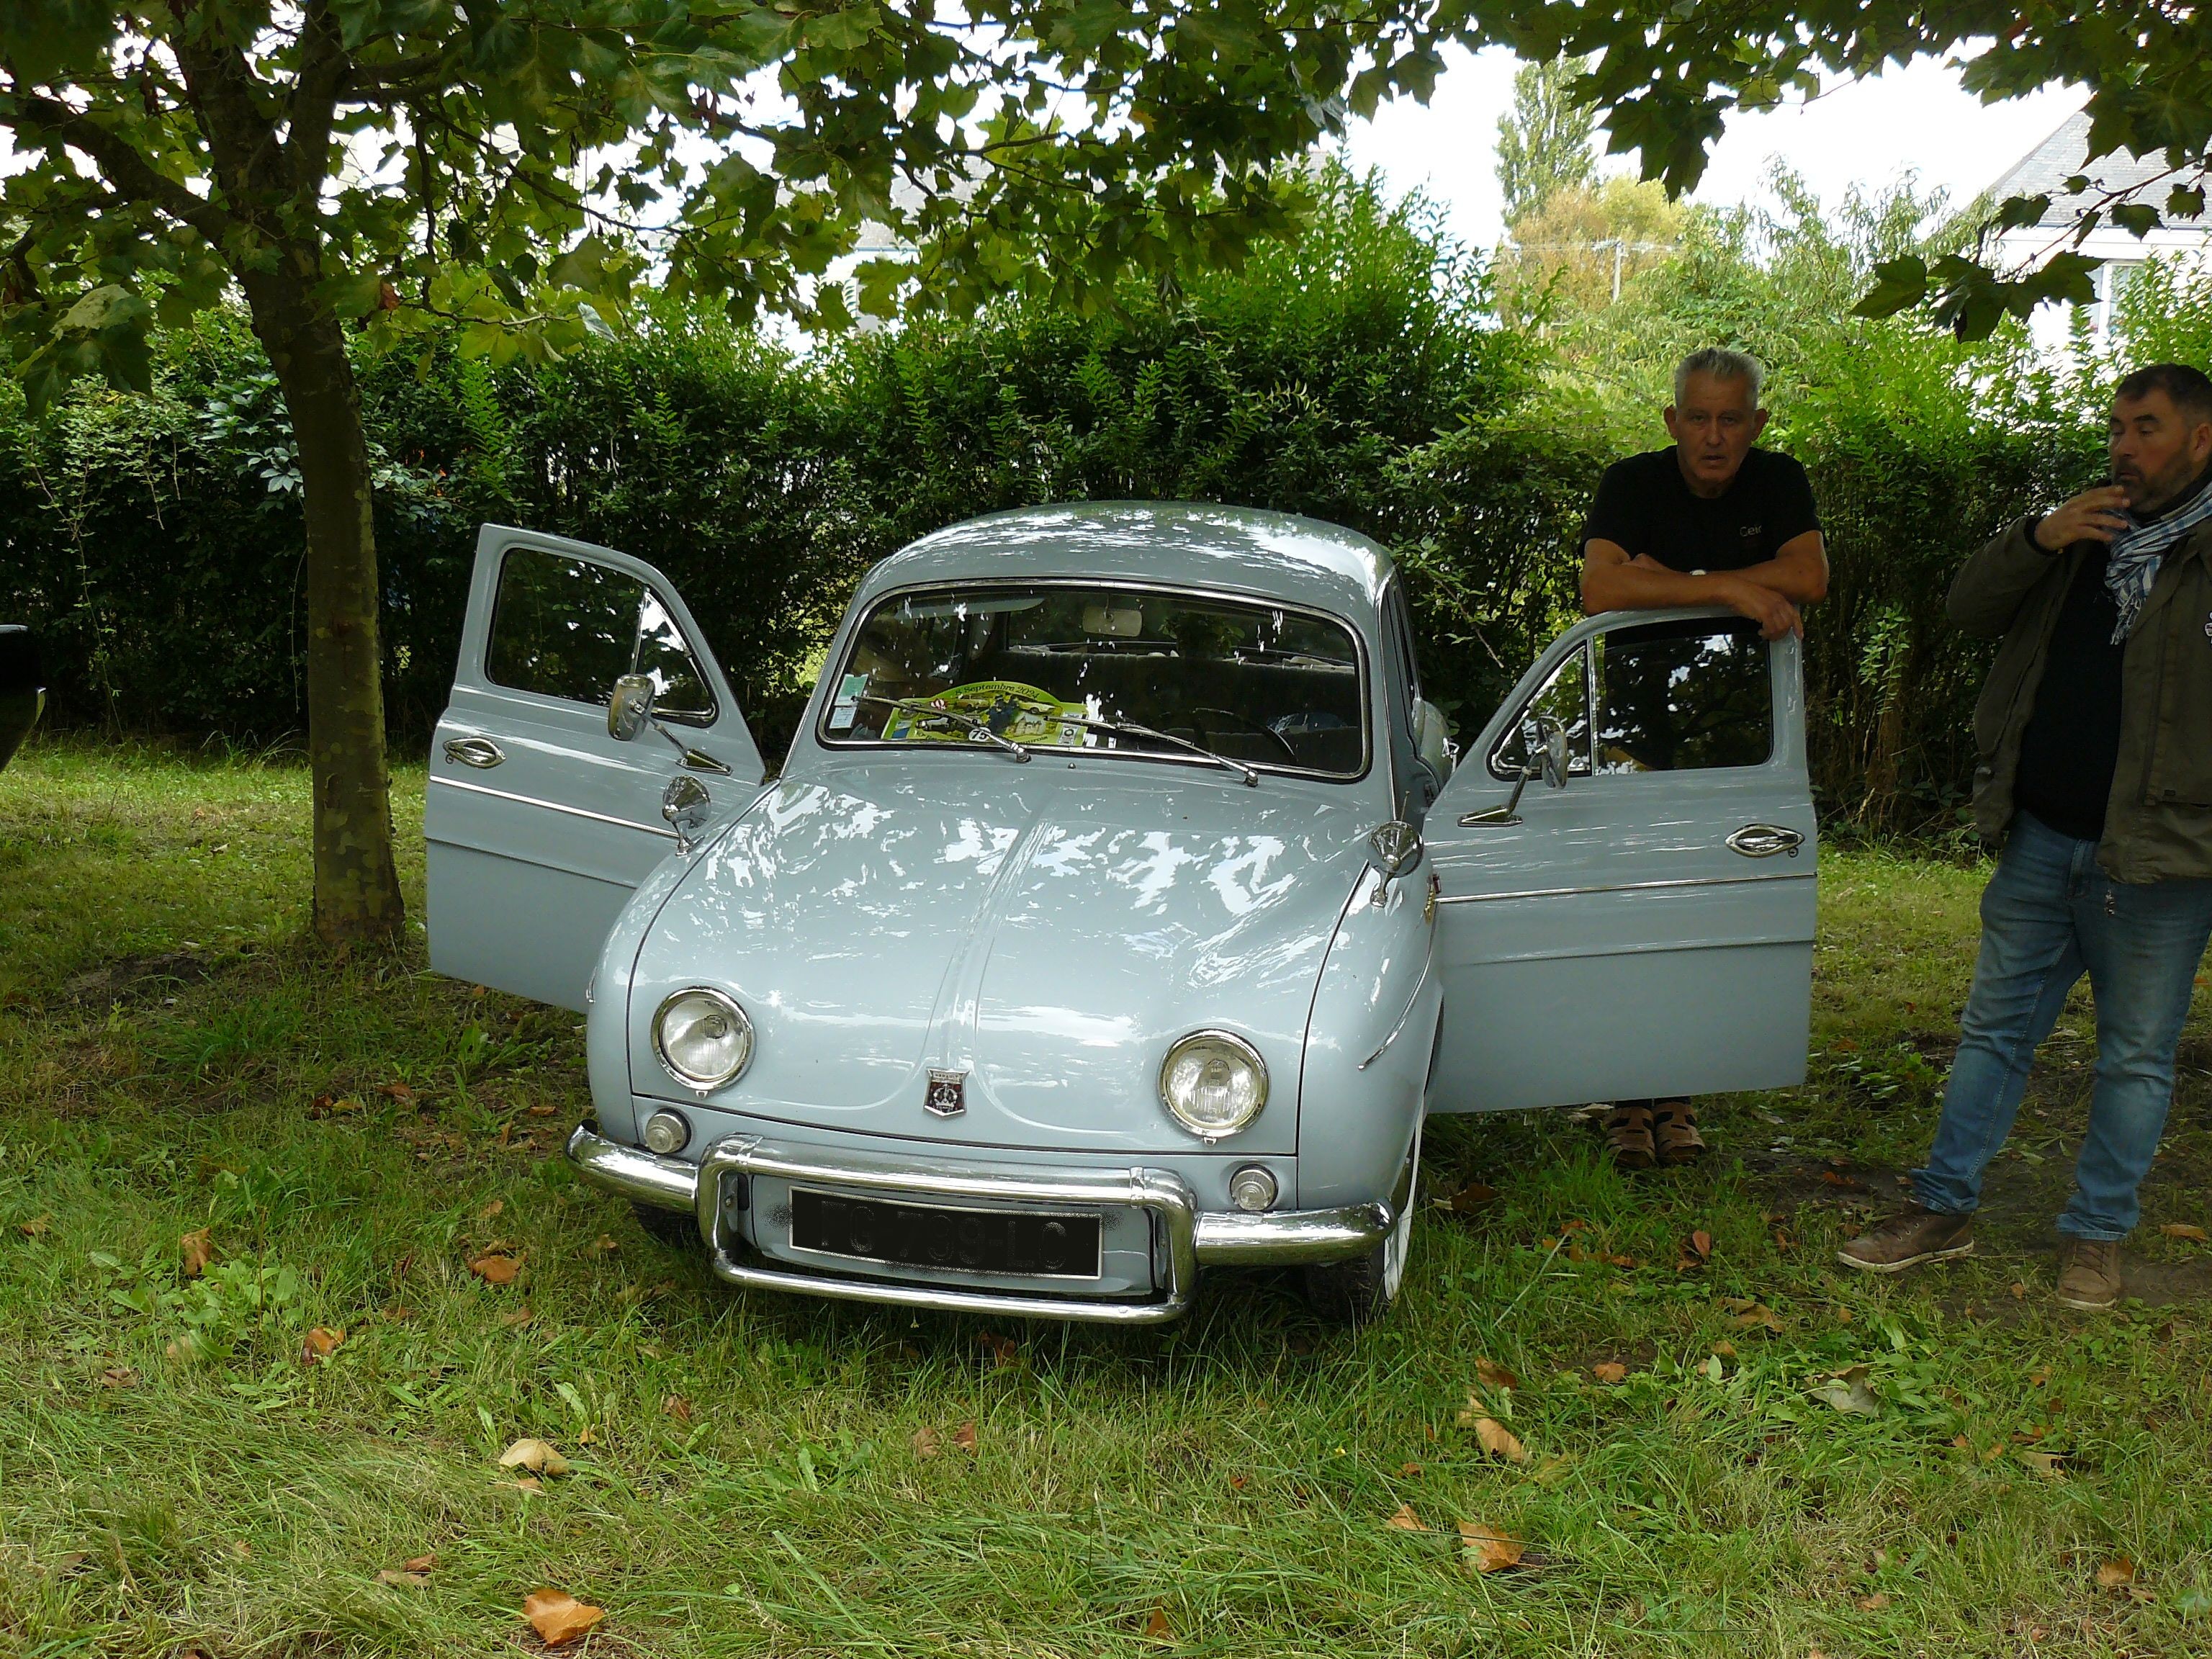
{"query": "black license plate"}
pixel 1010 1242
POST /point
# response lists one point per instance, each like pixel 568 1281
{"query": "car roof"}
pixel 1278 556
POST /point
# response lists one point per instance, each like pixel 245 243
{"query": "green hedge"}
pixel 1356 376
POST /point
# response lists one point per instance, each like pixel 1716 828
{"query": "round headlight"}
pixel 702 1037
pixel 1215 1084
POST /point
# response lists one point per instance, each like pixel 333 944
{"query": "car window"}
pixel 1682 695
pixel 567 628
pixel 1259 684
pixel 1565 697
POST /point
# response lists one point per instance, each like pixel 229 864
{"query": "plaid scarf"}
pixel 2138 552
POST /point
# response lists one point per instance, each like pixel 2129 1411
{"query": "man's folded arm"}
pixel 1798 571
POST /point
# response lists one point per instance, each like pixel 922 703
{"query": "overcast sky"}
pixel 1867 133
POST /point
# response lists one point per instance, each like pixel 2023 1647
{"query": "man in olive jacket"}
pixel 2094 735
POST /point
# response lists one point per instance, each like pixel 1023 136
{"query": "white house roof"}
pixel 2065 153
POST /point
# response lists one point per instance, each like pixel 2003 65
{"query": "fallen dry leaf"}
pixel 530 1483
pixel 1847 1391
pixel 321 1344
pixel 419 1564
pixel 559 1617
pixel 1239 1482
pixel 497 1269
pixel 1155 1627
pixel 1701 1245
pixel 1405 1520
pixel 678 1407
pixel 925 1443
pixel 1004 1351
pixel 515 1316
pixel 1487 1548
pixel 964 1438
pixel 1498 1440
pixel 491 1209
pixel 536 1455
pixel 1495 1376
pixel 2182 1230
pixel 1551 1469
pixel 1874 1603
pixel 541 1111
pixel 1829 1178
pixel 1407 1471
pixel 605 1244
pixel 197 1249
pixel 1609 1370
pixel 2050 1465
pixel 1725 1349
pixel 2019 1291
pixel 37 1227
pixel 1746 1314
pixel 2113 1574
pixel 1470 1198
pixel 119 1376
pixel 397 1576
pixel 398 1091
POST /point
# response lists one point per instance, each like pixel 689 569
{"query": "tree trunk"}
pixel 356 881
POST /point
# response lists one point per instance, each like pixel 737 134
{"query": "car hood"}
pixel 1047 930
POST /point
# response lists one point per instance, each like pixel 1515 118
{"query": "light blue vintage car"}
pixel 1118 912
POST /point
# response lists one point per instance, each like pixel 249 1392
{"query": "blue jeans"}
pixel 2047 914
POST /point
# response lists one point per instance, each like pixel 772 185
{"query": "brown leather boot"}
pixel 1628 1134
pixel 1907 1239
pixel 2089 1273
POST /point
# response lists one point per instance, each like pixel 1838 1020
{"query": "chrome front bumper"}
pixel 1184 1238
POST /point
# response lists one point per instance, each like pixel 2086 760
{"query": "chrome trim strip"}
pixel 1619 887
pixel 1227 1238
pixel 1427 968
pixel 555 806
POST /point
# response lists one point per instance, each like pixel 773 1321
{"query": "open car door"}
pixel 1640 922
pixel 540 823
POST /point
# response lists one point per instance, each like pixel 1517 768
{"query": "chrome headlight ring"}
pixel 1214 1083
pixel 702 1038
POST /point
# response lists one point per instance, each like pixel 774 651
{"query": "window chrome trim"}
pixel 1621 887
pixel 555 806
pixel 826 696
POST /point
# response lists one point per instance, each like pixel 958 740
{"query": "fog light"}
pixel 666 1131
pixel 1252 1187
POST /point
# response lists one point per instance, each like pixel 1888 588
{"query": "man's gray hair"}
pixel 1722 365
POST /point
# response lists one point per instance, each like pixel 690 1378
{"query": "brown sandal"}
pixel 1676 1122
pixel 1628 1134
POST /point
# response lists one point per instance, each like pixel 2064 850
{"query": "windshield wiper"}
pixel 1250 775
pixel 966 723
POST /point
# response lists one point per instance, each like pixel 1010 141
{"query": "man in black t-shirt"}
pixel 1708 520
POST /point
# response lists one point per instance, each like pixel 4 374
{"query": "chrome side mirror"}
pixel 1555 758
pixel 630 706
pixel 1394 848
pixel 687 806
pixel 1550 762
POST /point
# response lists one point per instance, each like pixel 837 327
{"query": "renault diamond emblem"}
pixel 948 1093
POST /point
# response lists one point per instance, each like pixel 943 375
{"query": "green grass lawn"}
pixel 758 1474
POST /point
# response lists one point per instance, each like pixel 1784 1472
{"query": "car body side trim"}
pixel 1619 887
pixel 554 807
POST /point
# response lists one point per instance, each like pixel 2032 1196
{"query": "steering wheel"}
pixel 1251 725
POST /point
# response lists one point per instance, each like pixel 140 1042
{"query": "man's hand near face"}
pixel 2095 515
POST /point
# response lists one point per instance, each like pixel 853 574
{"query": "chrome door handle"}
pixel 479 752
pixel 1764 841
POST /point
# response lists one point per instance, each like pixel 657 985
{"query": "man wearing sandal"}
pixel 2094 738
pixel 1708 520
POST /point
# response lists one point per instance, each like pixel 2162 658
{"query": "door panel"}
pixel 1647 929
pixel 540 826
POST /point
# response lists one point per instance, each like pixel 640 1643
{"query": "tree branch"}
pixel 125 170
pixel 322 76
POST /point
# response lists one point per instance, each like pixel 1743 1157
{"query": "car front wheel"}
pixel 1359 1292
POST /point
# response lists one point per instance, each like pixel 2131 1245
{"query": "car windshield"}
pixel 1251 682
